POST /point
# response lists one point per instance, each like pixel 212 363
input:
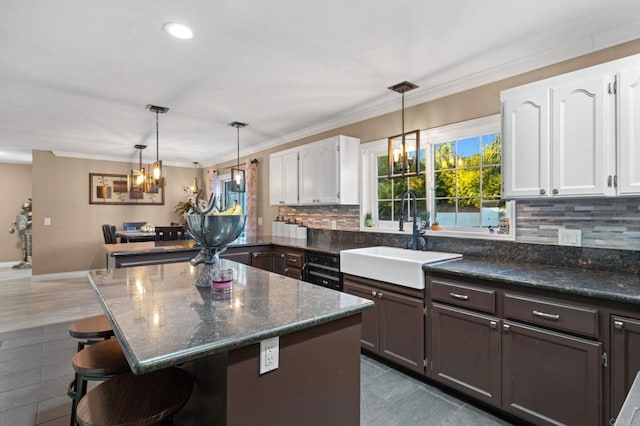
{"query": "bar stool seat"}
pixel 99 361
pixel 91 330
pixel 140 400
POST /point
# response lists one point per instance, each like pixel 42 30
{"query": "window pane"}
pixel 445 183
pixel 491 181
pixel 417 185
pixel 469 183
pixel 384 188
pixel 491 149
pixel 384 210
pixel 399 187
pixel 444 157
pixel 383 165
pixel 469 212
pixel 445 213
pixel 468 152
pixel 490 211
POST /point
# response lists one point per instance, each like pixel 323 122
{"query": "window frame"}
pixel 370 151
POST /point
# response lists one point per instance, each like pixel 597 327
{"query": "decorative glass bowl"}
pixel 213 233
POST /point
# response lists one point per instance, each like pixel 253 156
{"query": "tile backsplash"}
pixel 605 222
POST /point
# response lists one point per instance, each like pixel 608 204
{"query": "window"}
pixel 459 187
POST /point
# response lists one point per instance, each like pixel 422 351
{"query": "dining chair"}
pixel 170 233
pixel 109 234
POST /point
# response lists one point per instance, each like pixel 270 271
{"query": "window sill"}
pixel 481 234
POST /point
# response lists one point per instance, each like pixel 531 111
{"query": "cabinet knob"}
pixel 374 293
pixel 380 295
pixel 618 325
pixel 493 324
pixel 282 256
pixel 555 191
pixel 505 327
pixel 286 270
pixel 254 254
pixel 542 192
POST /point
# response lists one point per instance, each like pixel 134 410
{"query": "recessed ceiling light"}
pixel 178 30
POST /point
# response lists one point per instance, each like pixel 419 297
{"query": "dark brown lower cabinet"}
pixel 263 260
pixel 394 328
pixel 237 254
pixel 466 352
pixel 550 377
pixel 625 358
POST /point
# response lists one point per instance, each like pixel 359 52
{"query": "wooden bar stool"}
pixel 141 400
pixel 100 362
pixel 91 330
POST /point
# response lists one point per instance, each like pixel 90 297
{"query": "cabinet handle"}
pixel 609 181
pixel 505 327
pixel 542 192
pixel 554 317
pixel 374 293
pixel 493 324
pixel 615 181
pixel 618 325
pixel 380 295
pixel 293 260
pixel 459 296
pixel 254 254
pixel 555 191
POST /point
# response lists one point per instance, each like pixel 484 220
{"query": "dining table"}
pixel 135 236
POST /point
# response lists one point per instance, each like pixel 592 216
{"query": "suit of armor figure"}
pixel 23 226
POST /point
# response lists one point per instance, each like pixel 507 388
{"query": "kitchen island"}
pixel 161 319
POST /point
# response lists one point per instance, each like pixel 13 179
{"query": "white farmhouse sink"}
pixel 391 264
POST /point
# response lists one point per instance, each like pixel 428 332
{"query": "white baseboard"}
pixel 60 276
pixel 9 264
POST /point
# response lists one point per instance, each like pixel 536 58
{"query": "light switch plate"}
pixel 569 237
pixel 47 221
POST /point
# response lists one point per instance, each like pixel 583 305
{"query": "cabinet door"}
pixel 526 144
pixel 240 255
pixel 549 377
pixel 625 358
pixel 327 173
pixel 308 175
pixel 402 330
pixel 628 89
pixel 279 262
pixel 370 317
pixel 263 260
pixel 466 352
pixel 283 179
pixel 582 140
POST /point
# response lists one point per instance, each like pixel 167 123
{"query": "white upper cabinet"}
pixel 628 88
pixel 582 144
pixel 327 173
pixel 283 178
pixel 560 133
pixel 526 157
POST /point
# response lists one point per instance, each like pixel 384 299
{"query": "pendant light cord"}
pixel 238 156
pixel 157 139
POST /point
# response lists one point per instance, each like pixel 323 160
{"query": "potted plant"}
pixel 435 226
pixel 368 221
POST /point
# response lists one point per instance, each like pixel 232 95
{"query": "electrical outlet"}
pixel 47 221
pixel 269 354
pixel 569 237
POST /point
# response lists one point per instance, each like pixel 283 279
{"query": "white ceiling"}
pixel 76 75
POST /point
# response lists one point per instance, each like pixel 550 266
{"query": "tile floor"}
pixel 35 369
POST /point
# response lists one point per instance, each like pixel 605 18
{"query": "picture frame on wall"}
pixel 112 189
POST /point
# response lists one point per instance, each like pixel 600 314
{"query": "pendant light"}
pixel 194 188
pixel 238 181
pixel 404 149
pixel 156 180
pixel 137 179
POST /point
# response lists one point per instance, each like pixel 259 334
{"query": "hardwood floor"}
pixel 26 304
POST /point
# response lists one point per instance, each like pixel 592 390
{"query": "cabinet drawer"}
pixel 457 294
pixel 294 259
pixel 551 314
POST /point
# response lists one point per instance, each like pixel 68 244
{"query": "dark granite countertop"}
pixel 161 318
pixel 602 285
pixel 130 249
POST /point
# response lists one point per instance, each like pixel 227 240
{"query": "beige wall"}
pixel 74 240
pixel 474 103
pixel 16 189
